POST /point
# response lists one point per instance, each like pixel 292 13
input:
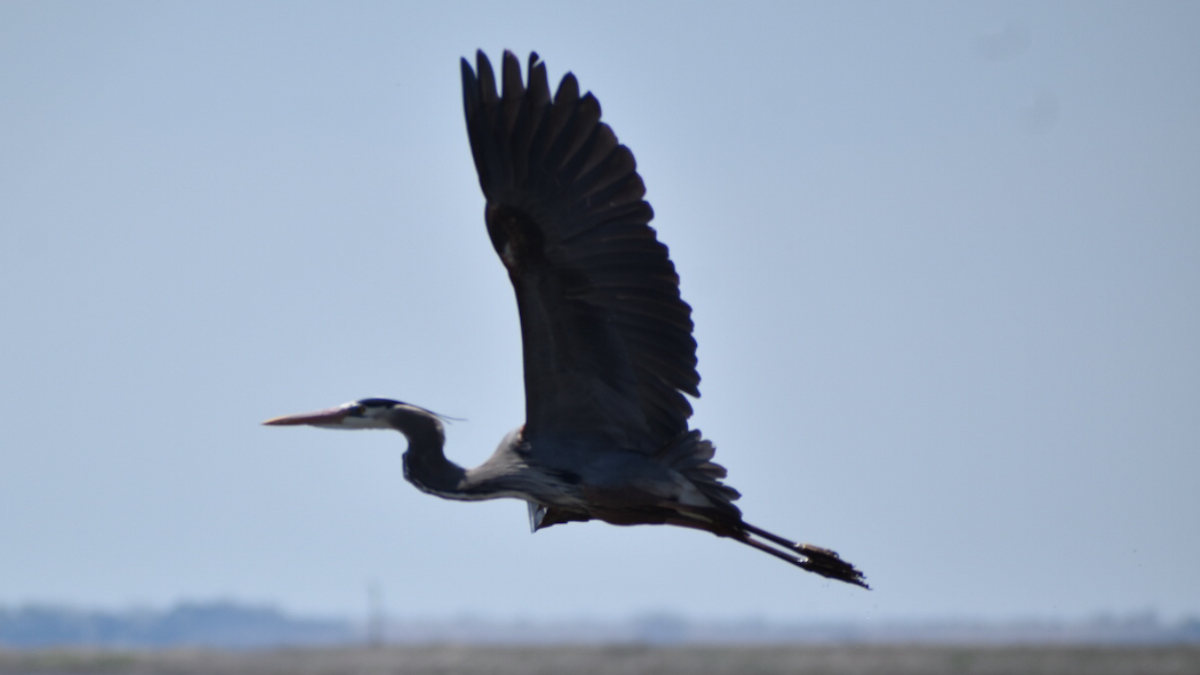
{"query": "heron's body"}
pixel 608 348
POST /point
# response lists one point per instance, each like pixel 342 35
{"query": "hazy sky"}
pixel 944 261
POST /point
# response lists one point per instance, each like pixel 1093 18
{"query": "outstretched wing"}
pixel 608 341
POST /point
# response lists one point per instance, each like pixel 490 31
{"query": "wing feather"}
pixel 607 339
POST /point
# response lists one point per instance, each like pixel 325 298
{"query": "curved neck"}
pixel 425 463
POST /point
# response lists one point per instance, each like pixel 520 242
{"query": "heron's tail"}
pixel 815 559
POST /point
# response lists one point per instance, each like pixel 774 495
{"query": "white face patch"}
pixel 371 417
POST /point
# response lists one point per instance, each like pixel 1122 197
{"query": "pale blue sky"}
pixel 944 260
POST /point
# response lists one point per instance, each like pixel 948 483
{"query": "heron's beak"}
pixel 330 417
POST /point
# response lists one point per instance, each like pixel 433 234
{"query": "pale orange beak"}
pixel 331 416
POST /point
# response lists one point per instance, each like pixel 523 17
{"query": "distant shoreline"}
pixel 230 625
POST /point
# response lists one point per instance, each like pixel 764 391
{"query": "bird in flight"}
pixel 608 349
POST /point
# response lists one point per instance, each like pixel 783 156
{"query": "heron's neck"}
pixel 425 463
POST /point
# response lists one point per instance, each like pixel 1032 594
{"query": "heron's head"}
pixel 369 413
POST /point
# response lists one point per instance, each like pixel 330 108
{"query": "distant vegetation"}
pixel 219 624
pixel 226 625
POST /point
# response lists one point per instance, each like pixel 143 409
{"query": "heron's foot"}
pixel 829 564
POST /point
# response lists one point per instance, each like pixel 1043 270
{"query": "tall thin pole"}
pixel 376 620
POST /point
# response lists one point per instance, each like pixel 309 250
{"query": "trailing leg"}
pixel 815 559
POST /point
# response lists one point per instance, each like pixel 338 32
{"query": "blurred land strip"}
pixel 614 660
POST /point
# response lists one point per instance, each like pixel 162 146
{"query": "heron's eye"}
pixel 357 410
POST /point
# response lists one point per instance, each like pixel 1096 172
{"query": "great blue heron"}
pixel 608 344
